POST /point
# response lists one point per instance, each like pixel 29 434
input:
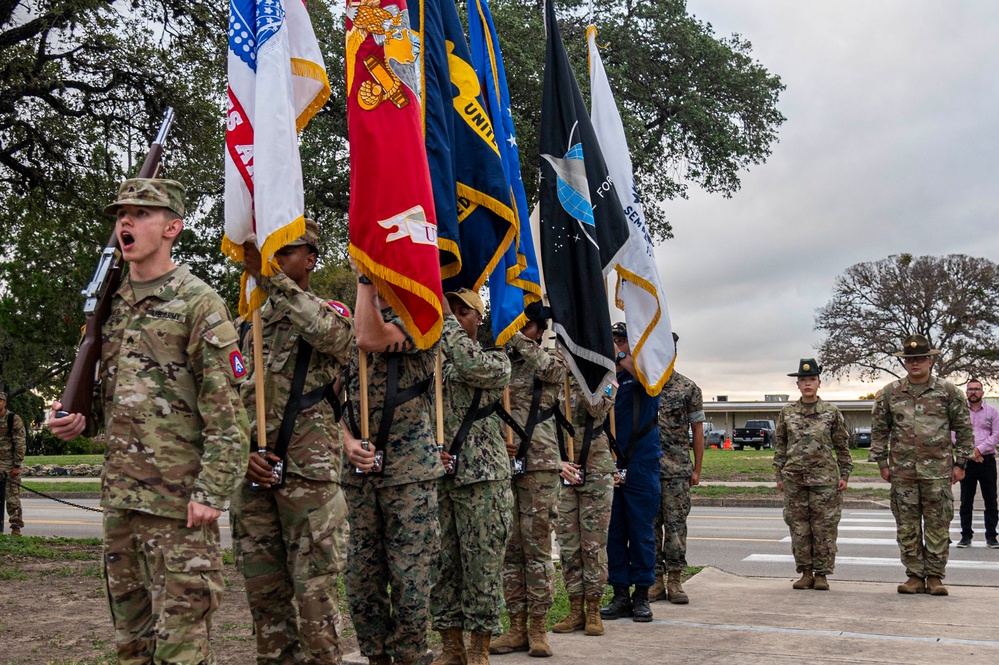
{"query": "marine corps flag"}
pixel 484 213
pixel 639 292
pixel 393 227
pixel 583 227
pixel 277 82
pixel 515 281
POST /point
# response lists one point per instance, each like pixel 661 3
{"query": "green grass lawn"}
pixel 757 465
pixel 63 460
pixel 49 486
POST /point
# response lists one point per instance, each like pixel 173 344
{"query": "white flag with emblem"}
pixel 639 292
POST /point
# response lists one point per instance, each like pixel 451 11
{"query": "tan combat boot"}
pixel 676 594
pixel 912 585
pixel 658 590
pixel 806 581
pixel 537 635
pixel 821 583
pixel 478 648
pixel 453 640
pixel 594 624
pixel 934 586
pixel 15 531
pixel 575 621
pixel 515 638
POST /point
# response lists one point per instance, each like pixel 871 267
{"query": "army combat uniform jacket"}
pixel 469 368
pixel 598 459
pixel 812 445
pixel 680 404
pixel 530 361
pixel 290 315
pixel 174 426
pixel 13 441
pixel 919 419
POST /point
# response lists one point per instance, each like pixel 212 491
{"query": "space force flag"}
pixel 639 292
pixel 272 51
pixel 515 281
pixel 393 226
pixel 583 227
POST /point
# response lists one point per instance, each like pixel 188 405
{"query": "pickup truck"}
pixel 755 433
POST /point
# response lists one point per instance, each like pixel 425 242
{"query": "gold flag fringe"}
pixel 645 285
pixel 308 69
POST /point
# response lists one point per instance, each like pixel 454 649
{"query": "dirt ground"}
pixel 53 611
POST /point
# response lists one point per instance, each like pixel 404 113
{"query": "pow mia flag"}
pixel 583 227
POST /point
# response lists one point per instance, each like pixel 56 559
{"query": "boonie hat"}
pixel 916 345
pixel 807 367
pixel 310 237
pixel 151 193
pixel 469 297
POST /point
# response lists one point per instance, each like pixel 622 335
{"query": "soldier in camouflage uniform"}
pixel 394 531
pixel 13 441
pixel 584 512
pixel 176 434
pixel 284 537
pixel 681 408
pixel 475 496
pixel 813 464
pixel 528 573
pixel 911 425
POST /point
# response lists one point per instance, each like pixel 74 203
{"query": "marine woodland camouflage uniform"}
pixel 680 404
pixel 910 434
pixel 811 455
pixel 528 572
pixel 394 543
pixel 12 448
pixel 476 500
pixel 584 510
pixel 175 432
pixel 284 538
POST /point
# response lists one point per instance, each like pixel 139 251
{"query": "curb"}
pixel 779 503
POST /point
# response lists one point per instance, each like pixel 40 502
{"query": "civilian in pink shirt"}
pixel 982 469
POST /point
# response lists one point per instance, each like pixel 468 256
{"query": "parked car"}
pixel 712 436
pixel 756 433
pixel 862 437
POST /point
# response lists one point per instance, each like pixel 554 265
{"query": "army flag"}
pixel 515 281
pixel 393 226
pixel 583 227
pixel 273 51
pixel 639 291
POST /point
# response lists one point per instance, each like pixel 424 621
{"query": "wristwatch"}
pixel 363 279
pixel 621 355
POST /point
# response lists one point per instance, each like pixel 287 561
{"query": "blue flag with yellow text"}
pixel 516 281
pixel 483 202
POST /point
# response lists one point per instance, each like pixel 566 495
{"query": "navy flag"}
pixel 583 227
pixel 483 212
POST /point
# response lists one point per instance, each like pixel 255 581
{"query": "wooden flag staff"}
pixel 258 379
pixel 362 370
pixel 439 395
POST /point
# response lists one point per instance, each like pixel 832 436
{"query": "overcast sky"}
pixel 891 145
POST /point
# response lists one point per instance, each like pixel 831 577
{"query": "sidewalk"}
pixel 737 620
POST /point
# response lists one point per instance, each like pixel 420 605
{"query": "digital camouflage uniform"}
pixel 284 538
pixel 584 510
pixel 175 432
pixel 12 448
pixel 476 500
pixel 811 455
pixel 680 404
pixel 910 435
pixel 394 544
pixel 528 572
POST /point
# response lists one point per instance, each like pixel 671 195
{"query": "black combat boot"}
pixel 620 605
pixel 641 612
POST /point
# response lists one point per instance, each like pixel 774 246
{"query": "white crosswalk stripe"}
pixel 870 561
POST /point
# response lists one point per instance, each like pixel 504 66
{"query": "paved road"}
pixel 744 541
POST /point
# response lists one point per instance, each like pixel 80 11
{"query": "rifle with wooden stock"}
pixel 78 396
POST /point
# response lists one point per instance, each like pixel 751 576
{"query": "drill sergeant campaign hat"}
pixel 469 297
pixel 151 193
pixel 310 237
pixel 914 346
pixel 807 367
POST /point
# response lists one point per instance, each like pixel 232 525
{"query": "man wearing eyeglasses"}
pixel 917 414
pixel 981 468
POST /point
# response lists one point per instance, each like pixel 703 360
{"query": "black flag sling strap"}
pixel 637 434
pixel 393 399
pixel 584 450
pixel 475 413
pixel 534 418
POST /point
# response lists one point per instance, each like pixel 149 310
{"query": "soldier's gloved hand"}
pixel 260 470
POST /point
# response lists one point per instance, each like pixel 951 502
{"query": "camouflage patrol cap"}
pixel 807 367
pixel 620 329
pixel 537 312
pixel 151 193
pixel 310 237
pixel 3 396
pixel 914 346
pixel 469 297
